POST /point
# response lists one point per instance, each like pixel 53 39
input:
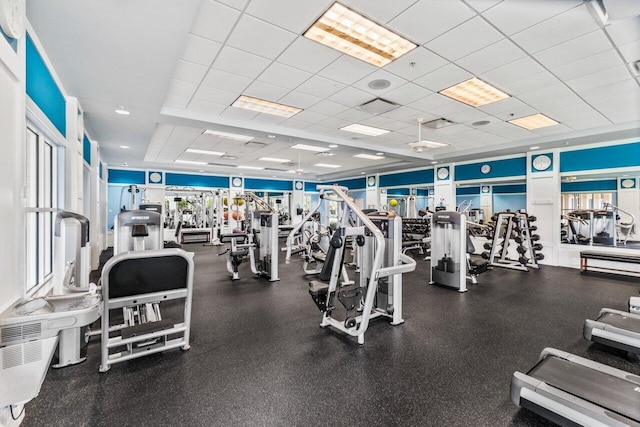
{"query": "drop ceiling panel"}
pixel 443 77
pixel 189 72
pixel 406 115
pixel 631 51
pixel 588 122
pixel 239 113
pixel 431 103
pixel 266 91
pixel 332 122
pixel 594 95
pixel 269 118
pixel 347 70
pixel 566 26
pixel 299 100
pixel 435 19
pixel 573 50
pixel 292 15
pixel 591 64
pixel 529 84
pixel 226 81
pixel 238 62
pixel 284 76
pixel 482 5
pixel 182 88
pixel 552 130
pixel 310 116
pixel 550 92
pixel 416 63
pixel 625 31
pixel 394 81
pixel 354 115
pixel 216 96
pixel 176 101
pixel 320 86
pixel 382 10
pixel 469 116
pixel 206 107
pixel 406 94
pixel 600 78
pixel 528 12
pixel 328 108
pixel 493 56
pixel 507 106
pixel 351 97
pixel 200 50
pixel 260 38
pixel 308 55
pixel 516 70
pixel 466 38
pixel 224 17
pixel 236 4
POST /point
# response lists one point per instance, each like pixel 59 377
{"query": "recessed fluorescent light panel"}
pixel 190 162
pixel 251 167
pixel 364 130
pixel 368 156
pixel 309 148
pixel 344 30
pixel 198 151
pixel 474 92
pixel 273 159
pixel 266 107
pixel 534 121
pixel 227 135
pixel 327 165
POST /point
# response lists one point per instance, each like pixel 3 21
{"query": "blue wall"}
pixel 601 185
pixel 267 184
pixel 351 184
pixel 509 189
pixel 190 180
pixel 467 190
pixel 499 169
pixel 613 156
pixel 86 149
pixel 310 186
pixel 422 176
pixel 42 89
pixel 514 202
pixel 125 176
pixel 398 192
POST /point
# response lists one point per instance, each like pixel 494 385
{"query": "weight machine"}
pixel 623 228
pixel 379 292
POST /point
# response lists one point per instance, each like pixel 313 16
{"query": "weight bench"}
pixel 145 278
pixel 239 250
pixel 611 257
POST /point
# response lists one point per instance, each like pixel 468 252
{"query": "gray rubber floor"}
pixel 258 357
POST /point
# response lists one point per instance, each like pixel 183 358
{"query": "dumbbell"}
pixel 521 249
pixel 533 228
pixel 485 255
pixel 523 260
pixel 488 246
pixel 539 257
pixel 494 218
pixel 533 218
pixel 534 237
pixel 537 247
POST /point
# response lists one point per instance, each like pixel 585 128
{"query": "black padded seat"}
pixel 317 288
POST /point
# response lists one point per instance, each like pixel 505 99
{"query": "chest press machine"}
pixel 379 293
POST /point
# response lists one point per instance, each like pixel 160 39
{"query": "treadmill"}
pixel 615 328
pixel 573 391
pixel 634 305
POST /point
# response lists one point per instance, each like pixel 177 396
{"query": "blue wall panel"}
pixel 499 169
pixel 42 89
pixel 124 176
pixel 267 184
pixel 510 189
pixel 310 186
pixel 613 156
pixel 86 149
pixel 422 192
pixel 513 202
pixel 602 185
pixel 422 176
pixel 351 184
pixel 467 191
pixel 191 180
pixel 398 192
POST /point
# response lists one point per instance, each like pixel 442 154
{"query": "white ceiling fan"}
pixel 420 145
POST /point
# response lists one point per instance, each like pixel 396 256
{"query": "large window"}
pixel 41 199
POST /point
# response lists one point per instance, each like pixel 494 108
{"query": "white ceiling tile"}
pixel 182 88
pixel 353 115
pixel 406 94
pixel 528 12
pixel 292 15
pixel 574 50
pixel 238 62
pixel 588 122
pixel 482 5
pixel 239 113
pixel 570 102
pixel 426 20
pixel 546 93
pixel 269 118
pixel 260 38
pixel 189 72
pixel 216 96
pixel 531 83
pixel 236 4
pixel 631 51
pixel 416 63
pixel 571 24
pixel 552 130
pixel 299 99
pixel 505 107
pixel 347 70
pixel 334 122
pixel 226 81
pixel 284 75
pixel 206 107
pixel 223 16
pixel 443 77
pixel 308 55
pixel 328 108
pixel 405 115
pixel 447 110
pixel 379 10
pixel 625 31
pixel 310 116
pixel 431 103
pixel 466 38
pixel 517 70
pixel 351 97
pixel 200 50
pixel 394 82
pixel 320 87
pixel 493 56
pixel 176 101
pixel 265 91
pixel 295 124
pixel 601 61
pixel 594 95
pixel 600 78
pixel 469 115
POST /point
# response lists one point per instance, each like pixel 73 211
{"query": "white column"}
pixel 444 187
pixel 629 201
pixel 297 201
pixel 372 199
pixel 236 189
pixel 486 201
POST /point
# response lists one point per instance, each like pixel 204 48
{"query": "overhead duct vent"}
pixel 255 144
pixel 438 123
pixel 377 106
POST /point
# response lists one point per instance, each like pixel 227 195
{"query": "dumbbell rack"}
pixel 516 227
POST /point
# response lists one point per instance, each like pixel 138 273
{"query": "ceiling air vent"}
pixel 377 106
pixel 438 123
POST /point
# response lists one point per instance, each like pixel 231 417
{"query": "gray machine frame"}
pixel 449 250
pixel 622 333
pixel 125 221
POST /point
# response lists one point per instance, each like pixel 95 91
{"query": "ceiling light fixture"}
pixel 250 167
pixel 534 148
pixel 327 165
pixel 122 111
pixel 273 159
pixel 349 32
pixel 227 135
pixel 271 136
pixel 333 145
pixel 190 162
pixel 379 154
pixel 124 146
pixel 434 162
pixel 364 130
pixel 309 147
pixel 198 151
pixel 228 157
pixel 421 144
pixel 534 121
pixel 266 107
pixel 474 92
pixel 368 156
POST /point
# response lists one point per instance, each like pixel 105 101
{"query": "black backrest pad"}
pixel 325 273
pixel 145 275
